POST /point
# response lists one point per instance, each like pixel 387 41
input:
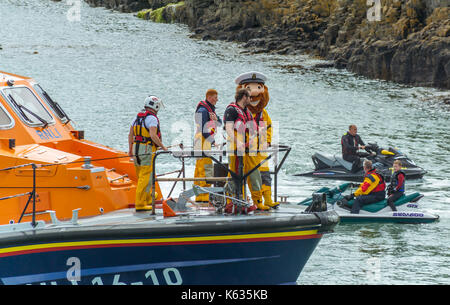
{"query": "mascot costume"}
pixel 255 82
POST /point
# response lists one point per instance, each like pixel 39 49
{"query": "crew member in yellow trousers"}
pixel 264 141
pixel 207 123
pixel 259 94
pixel 242 139
pixel 144 139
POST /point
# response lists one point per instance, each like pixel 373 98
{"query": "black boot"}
pixel 391 205
pixel 343 203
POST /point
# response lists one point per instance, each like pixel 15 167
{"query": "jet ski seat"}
pixel 321 160
pixel 347 165
pixel 377 206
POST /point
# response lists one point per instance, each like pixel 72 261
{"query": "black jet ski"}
pixel 335 167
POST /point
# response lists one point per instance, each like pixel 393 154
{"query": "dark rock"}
pixel 207 37
pixel 331 34
pixel 324 65
pixel 199 31
pixel 340 63
pixel 257 42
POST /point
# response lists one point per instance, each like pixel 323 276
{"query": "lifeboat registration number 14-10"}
pixel 168 276
pixel 75 276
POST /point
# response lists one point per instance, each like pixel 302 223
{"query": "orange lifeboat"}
pixel 71 172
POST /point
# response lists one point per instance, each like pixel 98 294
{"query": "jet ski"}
pixel 407 207
pixel 335 167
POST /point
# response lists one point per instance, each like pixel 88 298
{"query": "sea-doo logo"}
pixel 408 214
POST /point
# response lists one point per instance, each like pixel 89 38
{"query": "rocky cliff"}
pixel 406 41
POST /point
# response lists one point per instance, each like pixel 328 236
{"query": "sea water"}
pixel 99 65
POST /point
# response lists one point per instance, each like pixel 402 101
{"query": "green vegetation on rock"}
pixel 165 14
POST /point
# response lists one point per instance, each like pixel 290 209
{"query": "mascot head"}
pixel 255 82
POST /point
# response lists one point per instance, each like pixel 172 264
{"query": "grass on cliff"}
pixel 157 15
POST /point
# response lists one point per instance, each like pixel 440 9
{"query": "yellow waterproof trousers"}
pixel 266 188
pixel 254 180
pixel 203 167
pixel 144 168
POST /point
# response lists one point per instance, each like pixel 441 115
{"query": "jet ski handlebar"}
pixel 354 184
pixel 372 147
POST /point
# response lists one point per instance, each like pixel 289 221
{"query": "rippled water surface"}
pixel 101 68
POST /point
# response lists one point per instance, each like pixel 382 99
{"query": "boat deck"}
pixel 190 222
pixel 203 214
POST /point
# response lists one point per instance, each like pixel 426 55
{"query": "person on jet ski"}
pixel 371 190
pixel 396 188
pixel 351 142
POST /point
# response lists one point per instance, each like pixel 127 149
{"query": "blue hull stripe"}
pixel 43 277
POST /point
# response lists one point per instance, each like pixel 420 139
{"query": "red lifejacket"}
pixel 141 132
pixel 210 125
pixel 247 121
pixel 245 117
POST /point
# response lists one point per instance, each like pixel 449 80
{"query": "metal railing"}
pixel 238 178
pixel 32 194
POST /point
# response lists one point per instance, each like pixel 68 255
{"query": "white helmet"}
pixel 153 102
